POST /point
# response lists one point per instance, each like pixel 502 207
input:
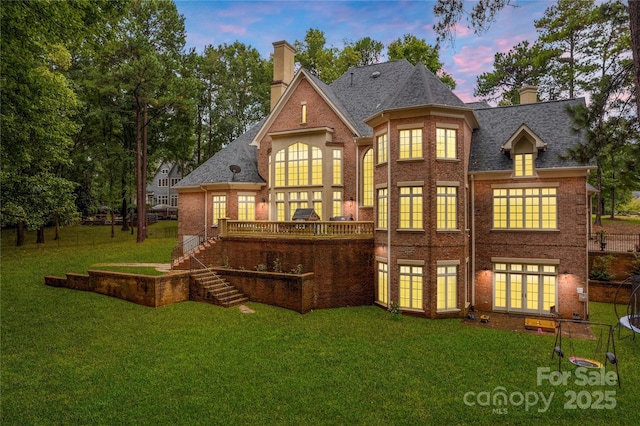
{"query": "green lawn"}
pixel 72 357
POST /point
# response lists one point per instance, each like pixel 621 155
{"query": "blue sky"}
pixel 260 23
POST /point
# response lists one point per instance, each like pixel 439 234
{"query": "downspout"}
pixel 586 266
pixel 389 276
pixel 205 211
pixel 473 240
pixel 357 177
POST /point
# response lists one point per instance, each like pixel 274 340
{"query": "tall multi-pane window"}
pixel 367 179
pixel 317 203
pixel 337 167
pixel 163 182
pixel 337 203
pixel 411 287
pixel 280 167
pixel 163 199
pixel 174 181
pixel 523 164
pixel 173 200
pixel 298 200
pixel 411 143
pixel 280 206
pixel 446 207
pixel 381 149
pixel 298 165
pixel 447 287
pixel 219 208
pixel 382 212
pixel 383 283
pixel 525 208
pixel 446 143
pixel 246 207
pixel 410 207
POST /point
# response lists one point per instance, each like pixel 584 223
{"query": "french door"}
pixel 526 288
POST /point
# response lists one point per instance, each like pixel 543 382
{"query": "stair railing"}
pixel 201 266
pixel 192 243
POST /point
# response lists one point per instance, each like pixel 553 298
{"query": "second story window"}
pixel 410 207
pixel 447 207
pixel 367 179
pixel 219 208
pixel 381 217
pixel 446 143
pixel 337 167
pixel 410 144
pixel 298 165
pixel 163 182
pixel 525 208
pixel 381 149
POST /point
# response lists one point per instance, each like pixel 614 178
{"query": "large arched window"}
pixel 298 165
pixel 367 179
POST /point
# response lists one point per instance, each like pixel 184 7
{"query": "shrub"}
pixel 600 268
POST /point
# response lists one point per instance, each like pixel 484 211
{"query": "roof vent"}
pixel 375 74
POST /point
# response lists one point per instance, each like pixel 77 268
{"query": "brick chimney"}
pixel 528 94
pixel 283 59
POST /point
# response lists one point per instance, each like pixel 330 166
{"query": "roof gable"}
pixel 551 122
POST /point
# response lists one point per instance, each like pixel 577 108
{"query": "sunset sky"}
pixel 259 23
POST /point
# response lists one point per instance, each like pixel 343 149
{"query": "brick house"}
pixel 470 205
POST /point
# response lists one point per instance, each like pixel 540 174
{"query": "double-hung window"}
pixel 447 287
pixel 410 207
pixel 410 144
pixel 447 207
pixel 411 286
pixel 381 149
pixel 446 143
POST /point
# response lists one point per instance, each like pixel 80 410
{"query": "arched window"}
pixel 367 179
pixel 298 165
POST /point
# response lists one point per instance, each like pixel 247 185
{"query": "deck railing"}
pixel 295 229
pixel 614 242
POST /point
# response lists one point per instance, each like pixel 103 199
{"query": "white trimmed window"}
pixel 446 143
pixel 246 207
pixel 447 298
pixel 337 203
pixel 411 287
pixel 163 182
pixel 382 210
pixel 410 207
pixel 523 164
pixel 381 149
pixel 525 287
pixel 337 167
pixel 383 283
pixel 410 144
pixel 447 207
pixel 219 208
pixel 525 208
pixel 367 179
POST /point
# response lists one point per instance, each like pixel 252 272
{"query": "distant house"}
pixel 162 195
pixel 470 205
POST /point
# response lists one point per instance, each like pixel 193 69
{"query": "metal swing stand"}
pixel 610 356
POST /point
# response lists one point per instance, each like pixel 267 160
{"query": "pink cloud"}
pixel 234 29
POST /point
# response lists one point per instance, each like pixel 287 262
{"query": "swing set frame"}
pixel 609 355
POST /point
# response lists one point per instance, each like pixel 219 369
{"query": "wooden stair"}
pixel 211 288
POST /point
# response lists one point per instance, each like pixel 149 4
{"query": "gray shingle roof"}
pixel 421 87
pixel 363 90
pixel 216 169
pixel 551 121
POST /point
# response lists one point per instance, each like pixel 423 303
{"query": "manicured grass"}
pixel 71 357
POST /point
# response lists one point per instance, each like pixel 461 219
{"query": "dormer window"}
pixel 523 158
pixel 523 149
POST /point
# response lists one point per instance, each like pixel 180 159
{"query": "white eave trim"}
pixel 302 73
pixel 540 144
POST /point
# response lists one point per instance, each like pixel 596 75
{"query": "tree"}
pixel 38 108
pixel 566 29
pixel 145 60
pixel 416 50
pixel 367 49
pixel 524 64
pixel 313 55
pixel 450 12
pixel 234 94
